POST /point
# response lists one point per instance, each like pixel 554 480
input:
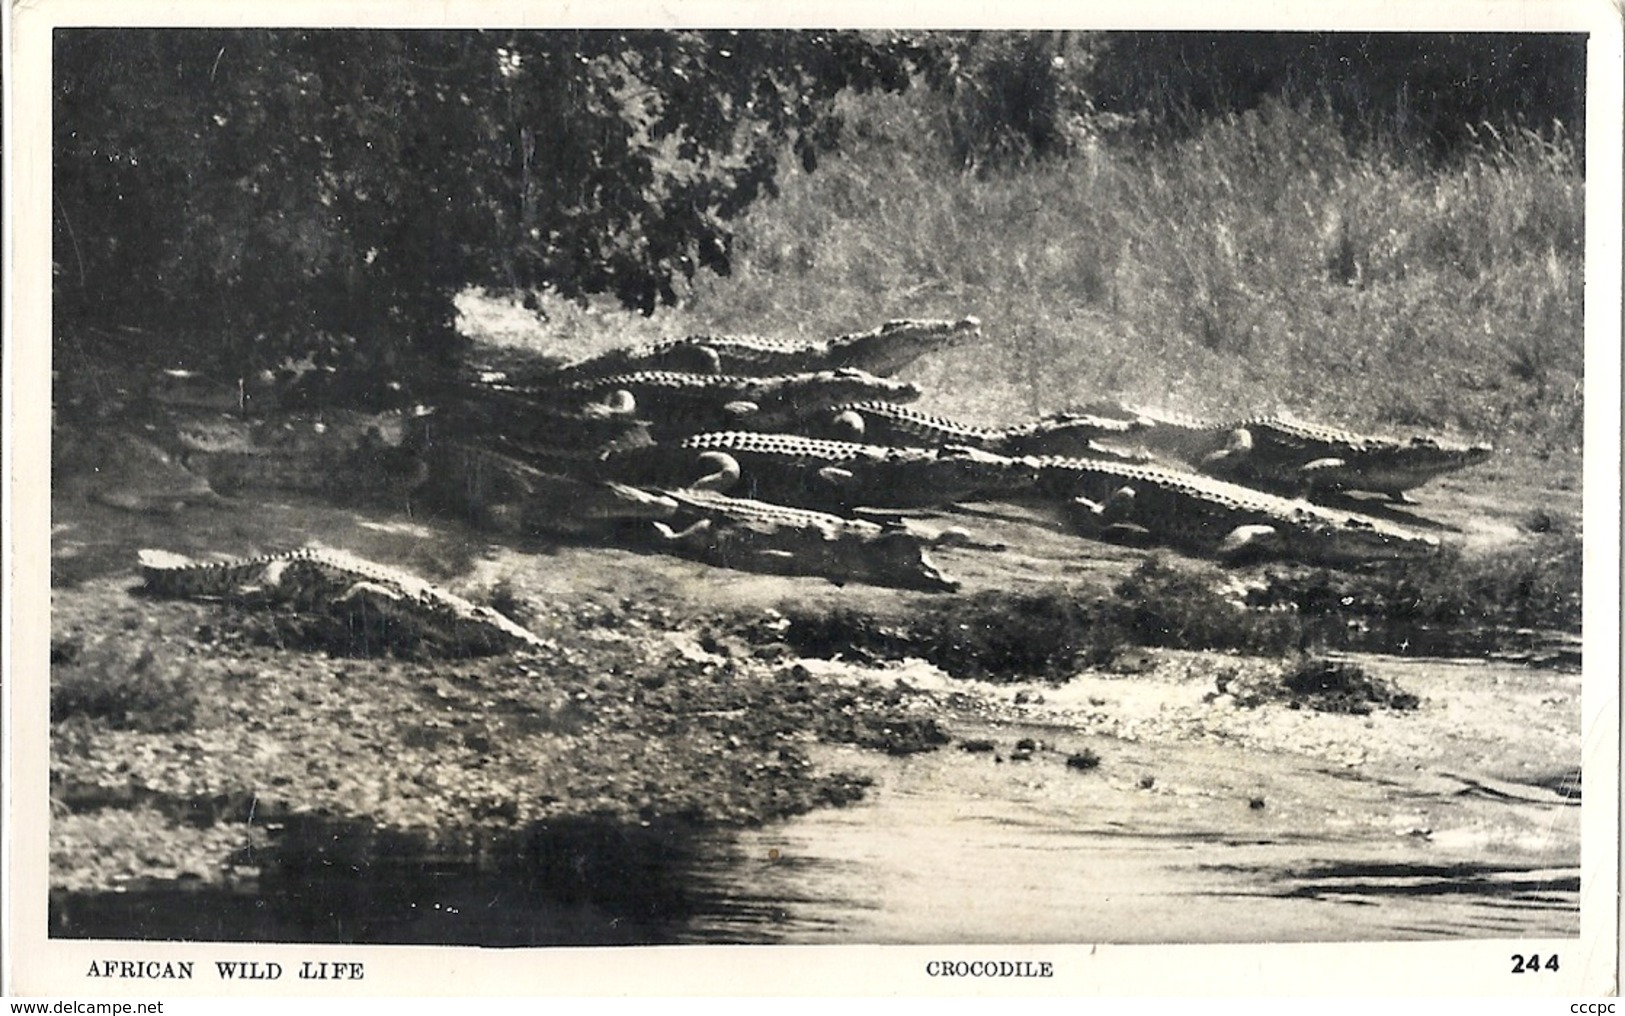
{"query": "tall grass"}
pixel 1262 263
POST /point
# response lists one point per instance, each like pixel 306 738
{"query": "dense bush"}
pixel 1011 98
pixel 278 183
pixel 1430 90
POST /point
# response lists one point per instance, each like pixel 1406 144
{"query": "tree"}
pixel 268 186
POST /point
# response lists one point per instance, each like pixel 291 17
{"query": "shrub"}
pixel 262 185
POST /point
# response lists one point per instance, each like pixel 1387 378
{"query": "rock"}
pixel 1083 760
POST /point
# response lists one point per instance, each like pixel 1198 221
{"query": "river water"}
pixel 1202 822
pixel 959 848
pixel 1228 833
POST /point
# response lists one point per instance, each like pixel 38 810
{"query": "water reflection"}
pixel 950 848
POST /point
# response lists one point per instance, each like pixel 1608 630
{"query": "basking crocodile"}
pixel 502 492
pixel 127 472
pixel 887 423
pixel 676 404
pixel 1210 516
pixel 1287 455
pixel 478 412
pixel 817 472
pixel 358 593
pixel 370 467
pixel 338 452
pixel 757 536
pixel 883 351
pixel 527 430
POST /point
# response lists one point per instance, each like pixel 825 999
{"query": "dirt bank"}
pixel 197 744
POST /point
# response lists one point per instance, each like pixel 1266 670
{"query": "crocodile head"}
pixel 899 558
pixel 1070 433
pixel 1347 538
pixel 896 344
pixel 791 396
pixel 1405 464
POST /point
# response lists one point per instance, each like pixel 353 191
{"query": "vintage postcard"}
pixel 507 499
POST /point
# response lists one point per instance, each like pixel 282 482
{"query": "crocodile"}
pixel 1059 434
pixel 535 423
pixel 1283 454
pixel 332 451
pixel 757 536
pixel 677 404
pixel 370 473
pixel 501 492
pixel 126 472
pixel 331 583
pixel 884 351
pixel 1211 516
pixel 818 472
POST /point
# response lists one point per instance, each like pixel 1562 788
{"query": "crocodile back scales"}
pixel 883 350
pixel 766 513
pixel 1193 508
pixel 886 423
pixel 763 536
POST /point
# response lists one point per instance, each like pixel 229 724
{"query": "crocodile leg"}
pixel 1319 474
pixel 1238 445
pixel 1092 507
pixel 1106 522
pixel 1114 515
pixel 699 359
pixel 725 475
pixel 674 536
pixel 620 402
pixel 849 425
pixel 964 539
pixel 367 590
pixel 1119 505
pixel 1246 540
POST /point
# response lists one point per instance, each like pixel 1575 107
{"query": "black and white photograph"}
pixel 506 488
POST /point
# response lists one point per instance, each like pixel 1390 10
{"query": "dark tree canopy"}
pixel 1024 95
pixel 279 182
pixel 260 188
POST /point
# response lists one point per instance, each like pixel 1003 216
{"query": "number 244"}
pixel 1532 964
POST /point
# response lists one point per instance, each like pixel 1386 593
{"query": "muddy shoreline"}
pixel 208 762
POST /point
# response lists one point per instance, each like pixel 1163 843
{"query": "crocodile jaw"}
pixel 900 558
pixel 1413 464
pixel 896 344
pixel 1357 540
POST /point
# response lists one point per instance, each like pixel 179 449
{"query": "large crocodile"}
pixel 887 423
pixel 124 471
pixel 332 451
pixel 479 412
pixel 816 472
pixel 501 492
pixel 1291 456
pixel 677 404
pixel 366 598
pixel 756 536
pixel 1116 500
pixel 883 351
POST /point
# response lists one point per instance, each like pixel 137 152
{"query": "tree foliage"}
pixel 267 187
pixel 1020 96
pixel 1431 90
pixel 264 186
